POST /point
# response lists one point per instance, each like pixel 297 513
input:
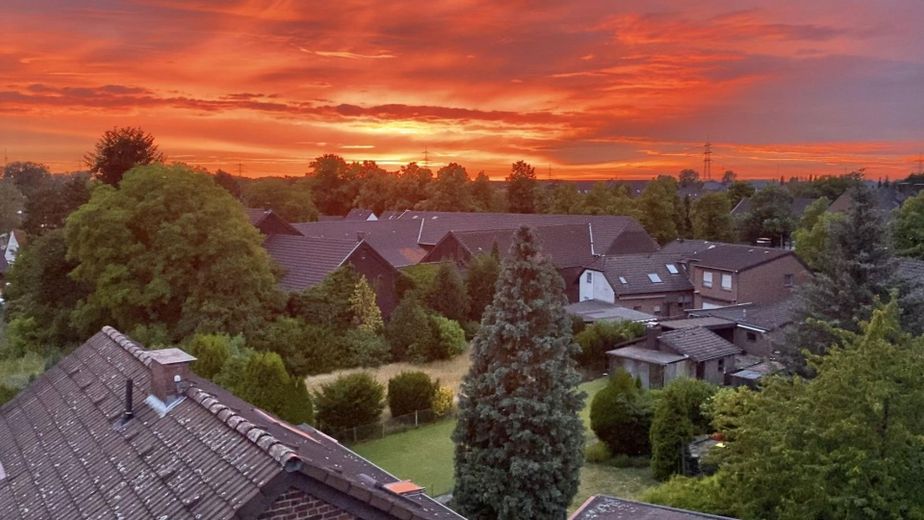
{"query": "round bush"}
pixel 620 415
pixel 443 401
pixel 409 392
pixel 351 400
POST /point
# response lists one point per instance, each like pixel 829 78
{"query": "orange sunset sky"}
pixel 590 89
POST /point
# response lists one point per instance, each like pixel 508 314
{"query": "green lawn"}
pixel 425 456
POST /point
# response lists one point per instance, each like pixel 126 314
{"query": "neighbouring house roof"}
pixel 610 234
pixel 566 245
pixel 647 355
pixel 395 240
pixel 765 316
pixel 707 322
pixel 307 260
pixel 359 214
pixel 630 274
pixel 66 454
pixel 596 310
pixel 602 507
pixel 884 199
pixel 269 223
pixel 733 257
pixel 698 343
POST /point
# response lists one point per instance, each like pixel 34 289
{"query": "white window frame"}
pixel 707 278
pixel 728 278
pixel 671 268
pixel 655 278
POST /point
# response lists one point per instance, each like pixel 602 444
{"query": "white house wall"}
pixel 597 289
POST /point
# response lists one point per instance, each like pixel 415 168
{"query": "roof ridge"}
pixel 281 453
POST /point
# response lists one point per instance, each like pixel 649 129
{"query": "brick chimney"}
pixel 168 367
pixel 651 336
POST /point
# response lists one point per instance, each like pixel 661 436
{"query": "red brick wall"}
pixel 295 504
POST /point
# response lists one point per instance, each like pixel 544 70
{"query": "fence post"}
pixel 416 424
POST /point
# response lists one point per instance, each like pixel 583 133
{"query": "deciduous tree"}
pixel 908 228
pixel 658 207
pixel 519 440
pixel 712 218
pixel 480 279
pixel 521 188
pixel 291 199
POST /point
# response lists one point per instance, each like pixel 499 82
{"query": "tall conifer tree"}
pixel 519 440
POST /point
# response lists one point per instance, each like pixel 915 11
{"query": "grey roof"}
pixel 395 240
pixel 211 456
pixel 699 343
pixel 307 260
pixel 611 234
pixel 683 247
pixel 885 200
pixel 601 507
pixel 731 257
pixel 567 245
pixel 359 214
pixel 707 322
pixel 269 222
pixel 634 269
pixel 765 316
pixel 647 355
pixel 596 310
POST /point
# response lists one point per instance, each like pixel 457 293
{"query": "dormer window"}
pixel 655 278
pixel 671 268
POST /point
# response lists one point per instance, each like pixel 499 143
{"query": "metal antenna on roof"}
pixel 129 412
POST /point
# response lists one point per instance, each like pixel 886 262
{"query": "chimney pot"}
pixel 168 367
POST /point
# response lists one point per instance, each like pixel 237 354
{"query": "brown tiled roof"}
pixel 732 257
pixel 566 245
pixel 698 343
pixel 65 453
pixel 634 269
pixel 601 507
pixel 307 260
pixel 395 240
pixel 605 229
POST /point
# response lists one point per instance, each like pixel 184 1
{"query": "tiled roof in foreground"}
pixel 601 507
pixel 212 456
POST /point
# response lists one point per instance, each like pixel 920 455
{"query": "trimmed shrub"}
pixel 704 494
pixel 443 401
pixel 267 385
pixel 408 325
pixel 596 339
pixel 446 340
pixel 409 392
pixel 620 416
pixel 364 349
pixel 350 400
pixel 678 417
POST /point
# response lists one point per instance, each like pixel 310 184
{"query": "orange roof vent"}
pixel 402 487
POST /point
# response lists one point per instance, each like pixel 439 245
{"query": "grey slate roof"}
pixel 395 240
pixel 210 456
pixel 566 245
pixel 647 355
pixel 707 322
pixel 359 214
pixel 601 507
pixel 307 260
pixel 699 343
pixel 611 234
pixel 730 257
pixel 635 270
pixel 766 316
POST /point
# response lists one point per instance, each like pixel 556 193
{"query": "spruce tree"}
pixel 447 293
pixel 519 440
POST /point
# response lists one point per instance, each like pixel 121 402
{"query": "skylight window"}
pixel 622 280
pixel 671 268
pixel 654 278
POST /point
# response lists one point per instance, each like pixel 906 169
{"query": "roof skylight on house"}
pixel 622 280
pixel 655 278
pixel 671 268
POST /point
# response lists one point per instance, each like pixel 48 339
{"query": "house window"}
pixel 671 268
pixel 726 282
pixel 788 280
pixel 590 277
pixel 751 336
pixel 657 310
pixel 722 365
pixel 637 308
pixel 655 278
pixel 707 279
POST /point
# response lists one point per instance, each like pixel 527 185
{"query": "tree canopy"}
pixel 120 150
pixel 711 216
pixel 908 228
pixel 171 252
pixel 659 209
pixel 521 188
